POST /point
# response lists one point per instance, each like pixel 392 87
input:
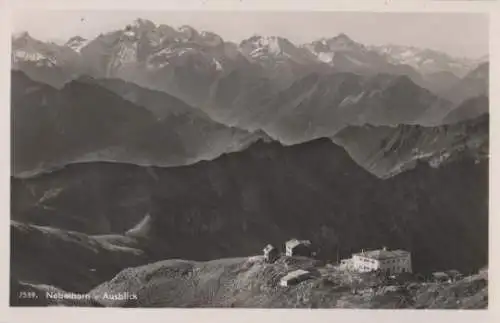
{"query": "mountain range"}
pixel 113 120
pixel 86 122
pixel 237 203
pixel 188 64
pixel 151 142
pixel 199 96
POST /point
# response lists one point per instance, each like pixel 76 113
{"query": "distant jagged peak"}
pixel 261 40
pixel 140 25
pixel 259 46
pixel 406 50
pixel 342 37
pixel 21 35
pixel 253 38
pixel 326 48
pixel 141 229
pixel 340 42
pixel 211 38
pixel 76 38
pixel 480 71
pixel 76 43
pixel 143 23
pixel 188 31
pixel 24 38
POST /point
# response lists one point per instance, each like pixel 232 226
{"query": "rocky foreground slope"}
pixel 250 282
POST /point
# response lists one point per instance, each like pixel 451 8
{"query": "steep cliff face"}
pixel 235 204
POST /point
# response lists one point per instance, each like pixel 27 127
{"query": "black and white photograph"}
pixel 217 159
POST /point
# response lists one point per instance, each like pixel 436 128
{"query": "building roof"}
pixel 383 254
pixel 269 247
pixel 294 243
pixel 440 274
pixel 453 272
pixel 295 274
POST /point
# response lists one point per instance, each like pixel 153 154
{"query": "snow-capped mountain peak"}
pixel 143 24
pixel 188 32
pixel 211 39
pixel 272 44
pixel 325 49
pixel 20 35
pixel 27 49
pixel 266 47
pixel 342 42
pixel 425 60
pixel 139 27
pixel 76 43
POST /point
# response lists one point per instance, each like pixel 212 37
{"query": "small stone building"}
pixel 295 277
pixel 271 254
pixel 296 247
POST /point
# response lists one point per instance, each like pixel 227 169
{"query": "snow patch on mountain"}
pixel 425 60
pixel 129 33
pixel 36 57
pixel 355 61
pixel 351 99
pixel 265 48
pixel 27 56
pixel 326 57
pixel 77 43
pixel 143 24
pixel 218 66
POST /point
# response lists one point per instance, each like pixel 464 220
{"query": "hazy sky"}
pixel 459 34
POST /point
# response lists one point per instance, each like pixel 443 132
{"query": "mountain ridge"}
pixel 113 133
pixel 144 53
pixel 164 115
pixel 236 204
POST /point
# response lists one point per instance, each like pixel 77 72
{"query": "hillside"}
pixel 321 105
pixel 475 83
pixel 235 204
pixel 85 122
pixel 111 120
pixel 251 283
pixel 69 260
pixel 387 151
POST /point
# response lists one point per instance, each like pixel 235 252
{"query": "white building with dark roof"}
pixel 387 261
